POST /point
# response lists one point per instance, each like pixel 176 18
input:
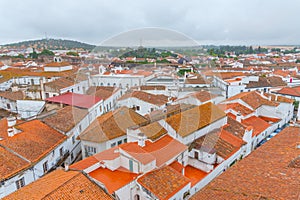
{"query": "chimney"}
pixel 239 117
pixel 66 166
pixel 141 139
pixel 11 122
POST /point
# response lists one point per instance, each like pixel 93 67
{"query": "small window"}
pixel 61 151
pixel 125 140
pixel 8 106
pixel 119 142
pixel 137 107
pixel 20 183
pixel 79 128
pixel 113 144
pixel 45 166
pixel 72 157
pixel 73 139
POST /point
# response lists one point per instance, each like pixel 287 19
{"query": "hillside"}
pixel 58 44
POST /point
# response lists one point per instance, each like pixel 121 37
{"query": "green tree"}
pixel 34 54
pixel 47 52
pixel 72 53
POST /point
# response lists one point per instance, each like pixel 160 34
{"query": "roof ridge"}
pixel 15 153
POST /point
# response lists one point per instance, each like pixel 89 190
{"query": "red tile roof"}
pixel 10 164
pixel 291 91
pixel 147 97
pixel 259 125
pixel 112 125
pixel 253 99
pixel 264 174
pixel 61 185
pixel 73 99
pixel 164 182
pixel 202 115
pixel 35 141
pixel 65 118
pixel 164 149
pixel 19 95
pixel 237 107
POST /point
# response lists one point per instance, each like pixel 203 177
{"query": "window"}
pixel 89 150
pixel 61 151
pixel 137 107
pixel 20 183
pixel 8 106
pixel 73 139
pixel 113 144
pixel 72 157
pixel 125 140
pixel 119 142
pixel 45 166
pixel 79 128
pixel 136 197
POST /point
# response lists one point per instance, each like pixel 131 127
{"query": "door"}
pixel 131 165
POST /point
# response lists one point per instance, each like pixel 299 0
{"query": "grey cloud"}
pixel 218 21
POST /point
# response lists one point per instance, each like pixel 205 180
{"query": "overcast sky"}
pixel 207 21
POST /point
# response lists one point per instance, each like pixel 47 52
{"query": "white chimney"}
pixel 141 139
pixel 11 121
pixel 10 132
pixel 66 166
pixel 239 117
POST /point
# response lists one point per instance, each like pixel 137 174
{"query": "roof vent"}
pixel 10 132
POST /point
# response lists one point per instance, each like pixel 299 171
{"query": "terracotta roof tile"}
pixel 279 98
pixel 59 84
pixel 253 99
pixel 19 95
pixel 219 141
pixel 65 118
pixel 292 91
pixel 264 174
pixel 35 140
pixel 158 99
pixel 112 125
pixel 153 131
pixel 163 182
pixel 164 149
pixel 202 115
pixel 237 107
pixel 259 125
pixel 102 92
pixel 10 164
pixel 272 81
pixel 61 185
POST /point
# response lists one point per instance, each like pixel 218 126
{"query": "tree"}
pixel 47 52
pixel 34 54
pixel 72 53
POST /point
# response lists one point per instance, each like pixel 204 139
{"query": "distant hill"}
pixel 58 44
